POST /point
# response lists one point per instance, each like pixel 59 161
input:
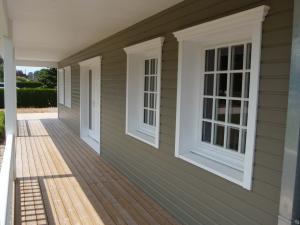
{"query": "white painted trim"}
pixel 252 20
pixel 210 169
pixel 10 96
pixel 253 105
pixel 284 221
pixel 68 86
pixel 178 101
pixel 7 177
pixel 154 48
pixel 94 64
pixel 92 143
pixel 61 86
pixel 36 63
pixel 255 15
pixel 145 46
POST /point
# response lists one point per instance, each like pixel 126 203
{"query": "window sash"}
pixel 150 93
pixel 242 127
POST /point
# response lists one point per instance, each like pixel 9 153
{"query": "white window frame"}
pixel 136 56
pixel 242 27
pixel 146 128
pixel 61 86
pixel 68 87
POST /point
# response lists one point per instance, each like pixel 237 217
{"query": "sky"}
pixel 28 69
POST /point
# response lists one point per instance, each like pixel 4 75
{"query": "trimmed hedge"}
pixel 29 84
pixel 33 97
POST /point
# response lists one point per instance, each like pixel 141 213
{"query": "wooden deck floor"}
pixel 60 180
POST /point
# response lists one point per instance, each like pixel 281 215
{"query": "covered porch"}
pixel 61 180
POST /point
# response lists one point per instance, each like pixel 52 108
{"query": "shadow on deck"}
pixel 61 180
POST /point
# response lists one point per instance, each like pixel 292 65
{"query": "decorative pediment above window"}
pixel 217 92
pixel 237 23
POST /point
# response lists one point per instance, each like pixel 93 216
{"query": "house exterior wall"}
pixel 193 195
pixel 71 116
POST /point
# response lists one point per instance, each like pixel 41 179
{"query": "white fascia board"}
pixel 255 15
pixel 144 46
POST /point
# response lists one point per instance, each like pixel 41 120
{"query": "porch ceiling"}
pixel 50 30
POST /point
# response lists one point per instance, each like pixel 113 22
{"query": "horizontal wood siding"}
pixel 71 116
pixel 193 195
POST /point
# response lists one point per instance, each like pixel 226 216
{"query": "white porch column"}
pixel 10 95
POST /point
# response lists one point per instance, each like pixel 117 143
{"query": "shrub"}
pixel 33 97
pixel 2 127
pixel 29 84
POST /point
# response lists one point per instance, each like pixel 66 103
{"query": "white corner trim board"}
pixel 139 58
pixel 239 29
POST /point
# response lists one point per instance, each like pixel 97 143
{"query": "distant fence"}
pixel 33 97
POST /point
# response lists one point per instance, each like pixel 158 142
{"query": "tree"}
pixel 21 79
pixel 47 77
pixel 20 74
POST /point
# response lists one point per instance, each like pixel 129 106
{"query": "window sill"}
pixel 146 131
pixel 214 165
pixel 143 136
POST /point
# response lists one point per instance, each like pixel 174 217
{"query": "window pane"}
pixel 210 60
pixel 207 108
pixel 233 138
pixel 222 59
pixel 245 114
pixel 220 109
pixel 243 144
pixel 234 111
pixel 208 84
pixel 219 135
pixel 151 117
pixel 237 57
pixel 146 116
pixel 152 66
pixel 146 88
pixel 221 84
pixel 145 99
pixel 206 132
pixel 152 83
pixel 151 101
pixel 235 85
pixel 248 56
pixel 247 84
pixel 146 67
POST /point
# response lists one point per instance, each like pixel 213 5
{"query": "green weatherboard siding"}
pixel 193 195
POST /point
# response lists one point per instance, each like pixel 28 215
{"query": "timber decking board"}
pixel 60 180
